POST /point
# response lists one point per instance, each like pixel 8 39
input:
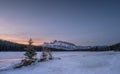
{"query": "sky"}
pixel 82 22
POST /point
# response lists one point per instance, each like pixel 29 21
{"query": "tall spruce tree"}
pixel 29 55
pixel 30 52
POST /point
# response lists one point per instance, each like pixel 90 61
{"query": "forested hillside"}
pixel 11 46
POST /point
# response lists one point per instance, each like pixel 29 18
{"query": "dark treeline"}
pixel 11 46
pixel 115 47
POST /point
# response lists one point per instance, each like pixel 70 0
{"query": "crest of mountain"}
pixel 60 45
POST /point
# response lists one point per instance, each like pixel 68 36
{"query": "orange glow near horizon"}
pixel 20 40
pixel 35 43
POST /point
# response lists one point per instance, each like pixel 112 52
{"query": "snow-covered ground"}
pixel 70 63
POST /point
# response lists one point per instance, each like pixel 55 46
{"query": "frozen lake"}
pixel 70 63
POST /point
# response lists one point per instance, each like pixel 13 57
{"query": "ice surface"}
pixel 70 63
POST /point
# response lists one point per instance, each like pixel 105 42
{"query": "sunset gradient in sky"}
pixel 83 22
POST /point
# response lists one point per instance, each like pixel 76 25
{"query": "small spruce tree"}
pixel 46 54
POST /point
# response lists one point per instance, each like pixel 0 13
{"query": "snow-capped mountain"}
pixel 60 45
pixel 70 46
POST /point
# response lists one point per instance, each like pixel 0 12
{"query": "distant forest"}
pixel 11 46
